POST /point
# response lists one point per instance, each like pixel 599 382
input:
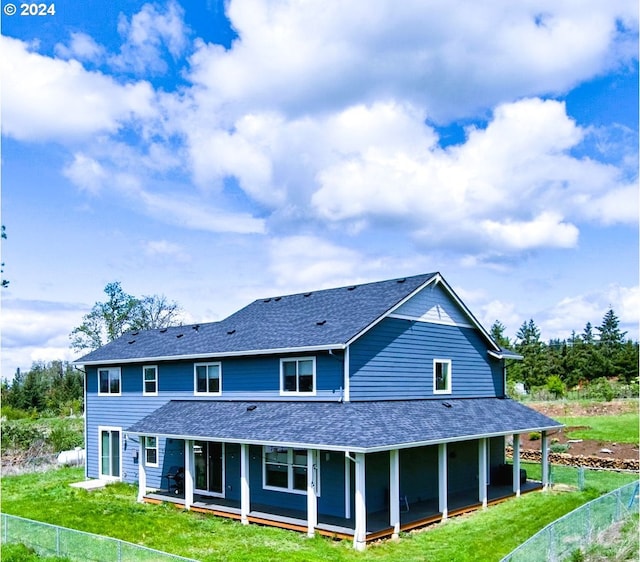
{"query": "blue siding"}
pixel 394 360
pixel 252 378
pixel 118 411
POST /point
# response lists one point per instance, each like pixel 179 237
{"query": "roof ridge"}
pixel 348 286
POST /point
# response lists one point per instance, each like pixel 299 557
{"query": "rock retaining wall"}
pixel 578 460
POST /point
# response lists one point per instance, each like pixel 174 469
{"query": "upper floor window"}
pixel 442 376
pixel 298 376
pixel 150 380
pixel 109 381
pixel 151 451
pixel 208 378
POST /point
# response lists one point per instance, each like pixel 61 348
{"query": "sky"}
pixel 218 152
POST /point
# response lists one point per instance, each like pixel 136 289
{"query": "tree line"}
pixel 560 364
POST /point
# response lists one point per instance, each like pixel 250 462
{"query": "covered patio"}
pixel 358 447
pixel 420 514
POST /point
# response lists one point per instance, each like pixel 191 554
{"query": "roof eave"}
pixel 509 355
pixel 215 355
pixel 350 448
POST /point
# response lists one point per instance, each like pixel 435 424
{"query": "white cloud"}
pixel 36 330
pixel 573 312
pixel 87 173
pixel 45 98
pixel 450 57
pixel 164 249
pixel 81 47
pixel 546 229
pixel 147 35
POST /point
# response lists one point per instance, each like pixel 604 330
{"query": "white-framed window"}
pixel 298 376
pixel 150 380
pixel 285 470
pixel 442 376
pixel 109 382
pixel 207 379
pixel 151 451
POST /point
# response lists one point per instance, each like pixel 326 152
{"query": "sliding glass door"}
pixel 209 468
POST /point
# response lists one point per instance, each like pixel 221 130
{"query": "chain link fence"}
pixel 51 540
pixel 577 529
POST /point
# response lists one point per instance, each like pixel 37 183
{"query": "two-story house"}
pixel 353 412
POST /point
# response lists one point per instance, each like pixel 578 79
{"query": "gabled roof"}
pixel 348 426
pixel 316 320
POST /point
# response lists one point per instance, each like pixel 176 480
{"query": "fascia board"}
pixel 352 449
pixel 216 355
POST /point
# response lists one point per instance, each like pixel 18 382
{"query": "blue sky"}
pixel 218 152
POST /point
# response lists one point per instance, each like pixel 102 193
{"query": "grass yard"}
pixel 486 535
pixel 621 428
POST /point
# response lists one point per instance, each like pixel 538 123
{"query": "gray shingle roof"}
pixel 320 318
pixel 352 426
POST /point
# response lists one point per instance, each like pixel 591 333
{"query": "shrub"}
pixel 559 448
pixel 65 439
pixel 19 435
pixel 11 413
pixel 534 436
pixel 556 386
pixel 601 389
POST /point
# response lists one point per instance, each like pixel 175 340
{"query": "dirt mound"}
pixel 589 448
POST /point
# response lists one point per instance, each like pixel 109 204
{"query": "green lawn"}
pixel 621 428
pixel 486 535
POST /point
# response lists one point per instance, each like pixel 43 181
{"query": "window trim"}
pixel 297 360
pixel 195 378
pixel 147 448
pixel 290 470
pixel 110 370
pixel 446 390
pixel 144 380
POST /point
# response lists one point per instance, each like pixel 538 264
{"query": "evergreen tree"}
pixel 531 369
pixel 497 333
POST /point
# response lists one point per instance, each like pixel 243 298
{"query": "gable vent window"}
pixel 298 376
pixel 442 376
pixel 208 379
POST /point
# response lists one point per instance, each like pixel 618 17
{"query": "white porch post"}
pixel 360 532
pixel 442 480
pixel 188 473
pixel 545 460
pixel 245 499
pixel 312 498
pixel 482 471
pixel 142 470
pixel 516 465
pixel 347 486
pixel 394 491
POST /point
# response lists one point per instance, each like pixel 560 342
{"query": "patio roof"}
pixel 345 426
